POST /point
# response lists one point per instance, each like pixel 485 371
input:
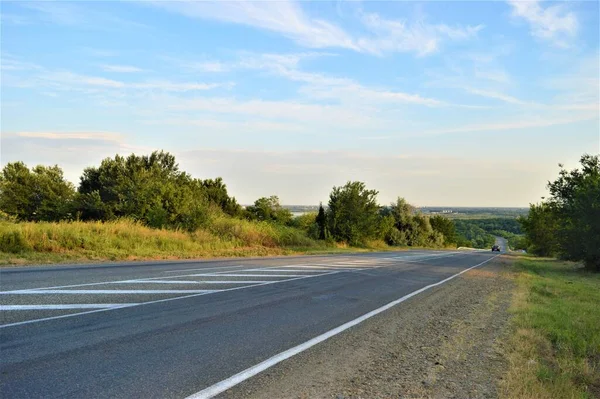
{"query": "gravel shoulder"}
pixel 444 343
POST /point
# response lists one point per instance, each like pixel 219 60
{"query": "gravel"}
pixel 444 343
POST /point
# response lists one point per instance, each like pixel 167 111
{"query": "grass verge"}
pixel 68 242
pixel 554 351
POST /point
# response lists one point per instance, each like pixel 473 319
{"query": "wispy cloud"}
pixel 289 19
pixel 105 136
pixel 553 23
pixel 284 17
pixel 121 68
pixel 318 85
pixel 489 127
pixel 67 80
pixel 401 36
pixel 498 96
pixel 74 15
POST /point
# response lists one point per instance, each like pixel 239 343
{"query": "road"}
pixel 172 329
pixel 502 243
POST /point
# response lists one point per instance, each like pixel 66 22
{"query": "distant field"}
pixel 450 212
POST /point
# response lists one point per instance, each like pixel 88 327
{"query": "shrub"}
pixel 12 241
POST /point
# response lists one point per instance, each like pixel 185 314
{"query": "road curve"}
pixel 172 329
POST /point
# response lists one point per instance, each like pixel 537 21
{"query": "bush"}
pixel 13 242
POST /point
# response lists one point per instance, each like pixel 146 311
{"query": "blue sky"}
pixel 444 103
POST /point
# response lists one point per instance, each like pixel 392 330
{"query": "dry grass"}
pixel 43 243
pixel 554 351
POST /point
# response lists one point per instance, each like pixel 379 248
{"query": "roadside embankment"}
pixel 60 242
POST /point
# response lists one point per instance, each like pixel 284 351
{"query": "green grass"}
pixel 42 243
pixel 555 351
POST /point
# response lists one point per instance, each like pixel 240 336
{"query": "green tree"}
pixel 575 200
pixel 150 189
pixel 216 192
pixel 353 213
pixel 322 223
pixel 269 210
pixel 444 226
pixel 39 194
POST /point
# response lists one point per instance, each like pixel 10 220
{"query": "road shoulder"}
pixel 440 344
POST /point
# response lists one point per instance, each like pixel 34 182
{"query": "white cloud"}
pixel 325 115
pixel 284 17
pixel 419 37
pixel 545 121
pixel 74 15
pixel 121 68
pixel 67 80
pixel 553 23
pixel 287 17
pixel 104 136
pixel 497 96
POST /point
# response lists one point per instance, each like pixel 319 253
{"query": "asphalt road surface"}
pixel 172 329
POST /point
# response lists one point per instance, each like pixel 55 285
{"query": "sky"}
pixel 443 103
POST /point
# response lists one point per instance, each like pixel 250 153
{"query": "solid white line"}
pixel 247 275
pixel 94 292
pixel 202 268
pixel 283 270
pixel 157 282
pixel 232 381
pixel 188 282
pixel 20 323
pixel 67 306
pixel 312 267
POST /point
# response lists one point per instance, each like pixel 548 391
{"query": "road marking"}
pixel 187 282
pixel 234 380
pixel 67 306
pixel 102 292
pixel 20 323
pixel 248 275
pixel 202 268
pixel 312 267
pixel 284 270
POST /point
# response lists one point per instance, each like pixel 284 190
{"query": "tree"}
pixel 575 199
pixel 269 210
pixel 39 194
pixel 322 223
pixel 567 223
pixel 353 213
pixel 150 189
pixel 444 226
pixel 216 192
pixel 541 226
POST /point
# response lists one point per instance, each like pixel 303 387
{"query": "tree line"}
pixel 567 223
pixel 151 189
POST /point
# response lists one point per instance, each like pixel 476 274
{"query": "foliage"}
pixel 39 194
pixel 353 213
pixel 444 226
pixel 568 223
pixel 216 192
pixel 410 228
pixel 321 221
pixel 150 189
pixel 269 210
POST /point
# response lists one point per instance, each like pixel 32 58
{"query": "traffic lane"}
pixel 17 306
pixel 41 276
pixel 43 303
pixel 189 309
pixel 176 348
pixel 54 301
